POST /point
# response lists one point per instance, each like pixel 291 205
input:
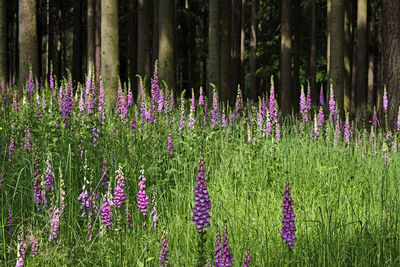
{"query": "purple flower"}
pixel 36 183
pixel 321 97
pixel 374 118
pixel 102 109
pixel 129 98
pixel 105 214
pixel 182 121
pixel 215 112
pixel 278 132
pixel 238 103
pixel 201 209
pixel 142 198
pixel 288 231
pixel 247 260
pixel 133 124
pixel 119 194
pixel 164 253
pixel 104 175
pixel 272 107
pixel 67 103
pixel 320 117
pixel 30 88
pixel 385 99
pixel 315 130
pixel 155 89
pixel 303 105
pixel 160 102
pixel 346 129
pixel 268 125
pixel 201 97
pixel 308 100
pixel 28 145
pixel 51 78
pixel 11 149
pixel 170 146
pixel 10 224
pixel 122 107
pixel 398 120
pixel 153 214
pixel 49 175
pixel 54 222
pixel 223 256
pixel 35 245
pixel 332 106
pixel 20 261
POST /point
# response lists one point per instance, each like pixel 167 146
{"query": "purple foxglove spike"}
pixel 201 209
pixel 288 231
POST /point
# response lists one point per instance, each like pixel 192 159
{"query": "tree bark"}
pixel 226 89
pixel 242 39
pixel 144 44
pixel 361 89
pixel 313 54
pixel 109 49
pixel 90 32
pixel 213 46
pixel 3 42
pixel 348 47
pixel 97 40
pixel 166 50
pixel 235 52
pixel 285 68
pixel 253 47
pixel 27 41
pixel 336 26
pixel 297 22
pixel 391 56
pixel 133 44
pixel 77 43
pixel 155 31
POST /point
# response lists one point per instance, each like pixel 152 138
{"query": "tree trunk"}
pixel 361 88
pixel 109 49
pixel 133 44
pixel 39 24
pixel 97 40
pixel 313 54
pixel 391 55
pixel 235 54
pixel 253 46
pixel 336 26
pixel 77 43
pixel 155 32
pixel 347 55
pixel 213 46
pixel 3 42
pixel 297 22
pixel 285 69
pixel 27 39
pixel 90 32
pixel 242 39
pixel 144 44
pixel 372 37
pixel 226 89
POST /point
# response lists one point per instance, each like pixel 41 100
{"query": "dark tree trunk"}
pixel 286 47
pixel 253 46
pixel 133 44
pixel 348 47
pixel 214 42
pixel 97 40
pixel 77 43
pixel 391 55
pixel 90 32
pixel 226 88
pixel 236 27
pixel 144 42
pixel 242 39
pixel 3 42
pixel 313 54
pixel 361 87
pixel 155 32
pixel 297 18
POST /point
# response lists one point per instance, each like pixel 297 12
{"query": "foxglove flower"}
pixel 321 97
pixel 20 259
pixel 11 149
pixel 133 124
pixel 303 106
pixel 182 121
pixel 54 222
pixel 215 112
pixel 105 214
pixel 288 231
pixel 34 245
pixel 201 209
pixel 164 253
pixel 223 256
pixel 272 107
pixel 119 194
pixel 320 117
pixel 155 89
pixel 268 125
pixel 51 78
pixel 374 118
pixel 308 100
pixel 346 129
pixel 142 198
pixel 102 109
pixel 160 102
pixel 238 103
pixel 28 145
pixel 30 87
pixel 201 97
pixel 49 175
pixel 154 214
pixel 36 183
pixel 247 260
pixel 398 120
pixel 385 99
pixel 170 146
pixel 332 106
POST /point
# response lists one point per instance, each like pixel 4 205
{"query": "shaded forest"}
pixel 352 45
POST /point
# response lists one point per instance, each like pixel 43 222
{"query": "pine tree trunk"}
pixel 133 44
pixel 336 22
pixel 226 89
pixel 166 50
pixel 242 39
pixel 286 47
pixel 27 39
pixel 97 40
pixel 144 42
pixel 253 47
pixel 313 54
pixel 297 22
pixel 391 56
pixel 213 46
pixel 155 32
pixel 90 32
pixel 109 49
pixel 3 42
pixel 77 43
pixel 347 55
pixel 236 23
pixel 361 88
